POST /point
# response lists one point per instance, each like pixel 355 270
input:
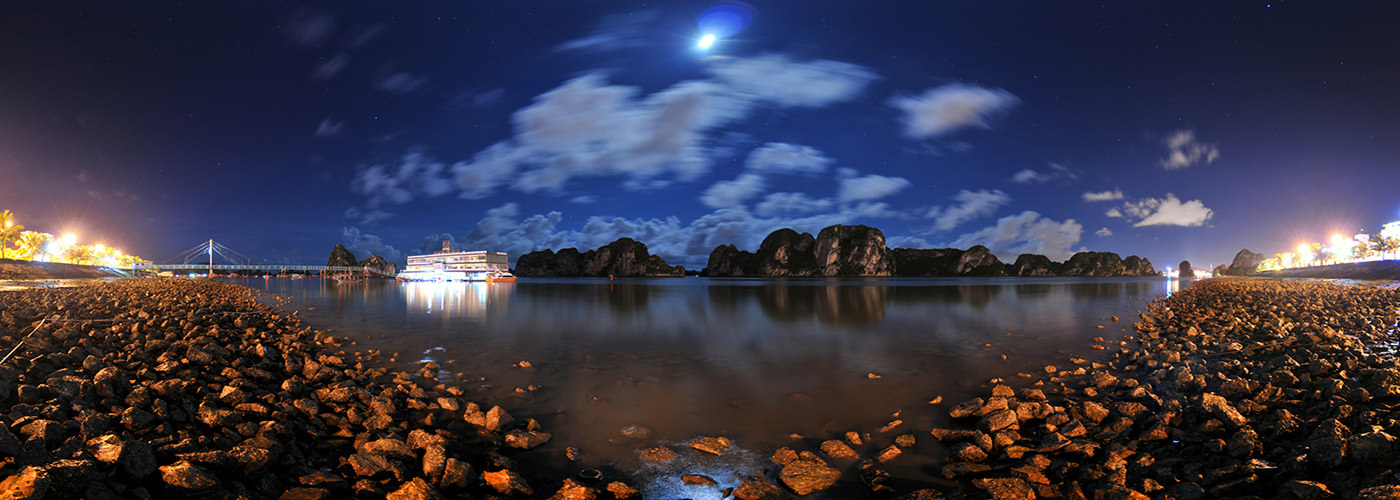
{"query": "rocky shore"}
pixel 1230 388
pixel 174 388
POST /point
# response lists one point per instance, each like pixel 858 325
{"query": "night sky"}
pixel 1170 130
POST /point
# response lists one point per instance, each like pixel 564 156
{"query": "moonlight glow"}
pixel 706 42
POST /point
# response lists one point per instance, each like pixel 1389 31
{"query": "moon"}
pixel 706 41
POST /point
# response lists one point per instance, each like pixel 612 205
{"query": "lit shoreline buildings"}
pixel 1340 250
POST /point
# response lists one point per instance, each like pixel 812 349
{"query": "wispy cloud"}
pixel 724 194
pixel 1104 232
pixel 1183 150
pixel 781 157
pixel 970 205
pixel 779 80
pixel 869 187
pixel 399 82
pixel 328 68
pixel 613 32
pixel 329 127
pixel 942 110
pixel 1103 196
pixel 791 204
pixel 308 29
pixel 1056 171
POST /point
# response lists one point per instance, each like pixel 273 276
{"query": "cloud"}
pixel 1168 211
pixel 1104 232
pixel 1114 213
pixel 367 216
pixel 499 231
pixel 1027 232
pixel 870 187
pixel 331 67
pixel 613 32
pixel 363 244
pixel 471 98
pixel 584 199
pixel 415 175
pixel 399 83
pixel 329 128
pixel 1103 196
pixel 774 78
pixel 489 169
pixel 588 127
pixel 1057 171
pixel 1184 151
pixel 791 204
pixel 433 242
pixel 971 204
pixel 724 194
pixel 308 29
pixel 944 109
pixel 781 157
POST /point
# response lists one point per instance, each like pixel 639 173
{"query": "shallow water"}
pixel 758 361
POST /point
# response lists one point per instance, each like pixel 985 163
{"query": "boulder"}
pixel 853 251
pixel 807 475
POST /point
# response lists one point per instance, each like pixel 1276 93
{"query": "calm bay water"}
pixel 766 363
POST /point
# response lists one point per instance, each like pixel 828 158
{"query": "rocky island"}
pixel 625 257
pixel 839 251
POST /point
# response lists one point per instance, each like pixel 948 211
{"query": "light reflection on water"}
pixel 753 360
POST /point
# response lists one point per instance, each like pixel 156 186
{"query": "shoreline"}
pixel 191 387
pixel 1378 270
pixel 156 388
pixel 11 269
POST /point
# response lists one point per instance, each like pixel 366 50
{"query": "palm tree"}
pixel 31 244
pixel 1386 246
pixel 9 231
pixel 79 254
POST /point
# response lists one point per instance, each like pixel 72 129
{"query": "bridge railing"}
pixel 255 267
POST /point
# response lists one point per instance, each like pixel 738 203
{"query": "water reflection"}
pixel 754 360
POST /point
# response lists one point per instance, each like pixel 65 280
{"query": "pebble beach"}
pixel 158 388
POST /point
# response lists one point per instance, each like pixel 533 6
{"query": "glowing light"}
pixel 69 239
pixel 726 18
pixel 706 41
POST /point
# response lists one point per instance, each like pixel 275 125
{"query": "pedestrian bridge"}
pixel 206 251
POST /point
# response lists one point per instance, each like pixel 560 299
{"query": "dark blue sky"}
pixel 1171 130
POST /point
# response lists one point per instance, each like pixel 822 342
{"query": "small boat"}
pixel 500 277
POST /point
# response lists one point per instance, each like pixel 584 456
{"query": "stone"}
pixel 106 449
pixel 31 483
pixel 839 450
pixel 755 488
pixel 525 440
pixel 507 482
pixel 188 476
pixel 456 474
pixel 388 447
pixel 1307 490
pixel 962 469
pixel 697 479
pixel 997 420
pixel 1005 488
pixel 416 489
pixel 968 452
pixel 574 490
pixel 806 476
pixel 712 445
pixel 497 419
pixel 656 454
pixel 623 491
pixel 1375 447
pixel 306 494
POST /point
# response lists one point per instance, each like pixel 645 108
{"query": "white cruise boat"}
pixel 449 264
